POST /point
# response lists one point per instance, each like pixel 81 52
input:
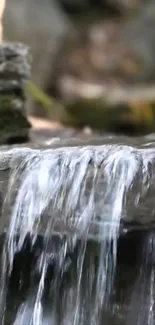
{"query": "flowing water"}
pixel 143 293
pixel 62 194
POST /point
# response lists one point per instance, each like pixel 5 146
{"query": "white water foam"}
pixel 76 186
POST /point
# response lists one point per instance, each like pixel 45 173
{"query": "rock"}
pixel 138 37
pixel 127 110
pixel 51 27
pixel 14 75
pixel 108 6
pixel 42 26
pixel 104 57
pixel 112 51
pixel 138 208
pixel 15 63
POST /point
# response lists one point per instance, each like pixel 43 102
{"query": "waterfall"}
pixel 77 195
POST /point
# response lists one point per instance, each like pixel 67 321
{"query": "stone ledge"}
pixel 140 215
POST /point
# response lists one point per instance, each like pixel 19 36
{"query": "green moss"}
pixel 39 96
pixel 93 112
pixel 54 109
pixel 98 113
pixel 11 118
pixel 5 102
pixel 103 115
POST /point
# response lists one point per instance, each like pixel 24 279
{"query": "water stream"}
pixel 61 194
pixel 142 309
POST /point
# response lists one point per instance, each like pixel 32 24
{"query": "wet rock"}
pixel 14 74
pixel 138 208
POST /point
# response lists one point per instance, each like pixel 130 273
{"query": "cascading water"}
pixel 68 191
pixel 142 303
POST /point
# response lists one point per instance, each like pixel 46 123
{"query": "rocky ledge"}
pixel 125 170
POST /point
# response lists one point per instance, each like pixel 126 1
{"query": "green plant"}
pixel 40 96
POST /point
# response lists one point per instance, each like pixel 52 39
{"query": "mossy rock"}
pixel 126 117
pixel 14 125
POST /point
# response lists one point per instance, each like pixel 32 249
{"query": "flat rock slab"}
pixel 125 156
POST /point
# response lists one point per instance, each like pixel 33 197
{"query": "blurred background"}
pixel 93 62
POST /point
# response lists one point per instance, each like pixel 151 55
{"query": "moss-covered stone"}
pixel 125 117
pixel 13 123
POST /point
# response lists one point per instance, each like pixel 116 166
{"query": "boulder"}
pixel 112 51
pixel 110 58
pixel 79 7
pixel 14 75
pixel 131 172
pixel 124 110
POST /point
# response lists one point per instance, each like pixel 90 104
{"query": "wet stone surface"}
pixel 122 302
pixel 136 153
pixel 65 236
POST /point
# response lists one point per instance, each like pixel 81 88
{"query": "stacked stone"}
pixel 14 75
